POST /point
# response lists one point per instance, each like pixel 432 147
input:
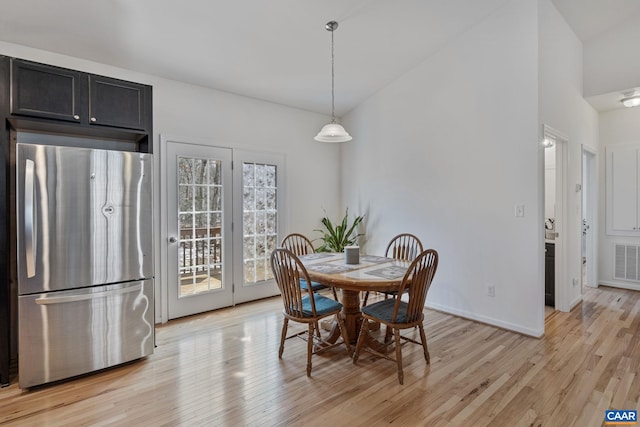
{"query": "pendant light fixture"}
pixel 332 132
pixel 631 101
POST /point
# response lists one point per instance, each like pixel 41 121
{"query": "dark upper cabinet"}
pixel 39 90
pixel 117 103
pixel 48 98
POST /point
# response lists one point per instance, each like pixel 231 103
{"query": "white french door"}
pixel 222 225
pixel 199 217
pixel 258 183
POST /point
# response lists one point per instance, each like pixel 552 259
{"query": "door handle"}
pixel 88 296
pixel 30 222
pixel 172 239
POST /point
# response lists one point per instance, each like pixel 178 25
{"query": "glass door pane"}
pixel 260 220
pixel 258 182
pixel 199 218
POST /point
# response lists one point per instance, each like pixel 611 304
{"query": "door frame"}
pixel 562 281
pixel 590 200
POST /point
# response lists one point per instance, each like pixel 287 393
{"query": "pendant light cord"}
pixel 333 131
pixel 333 116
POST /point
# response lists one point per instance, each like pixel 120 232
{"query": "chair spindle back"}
pixel 297 243
pixel 405 247
pixel 288 270
pixel 417 280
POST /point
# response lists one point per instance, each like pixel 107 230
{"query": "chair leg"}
pixel 399 355
pixel 423 338
pixel 364 329
pixel 366 297
pixel 387 335
pixel 285 324
pixel 310 348
pixel 318 330
pixel 335 294
pixel 343 331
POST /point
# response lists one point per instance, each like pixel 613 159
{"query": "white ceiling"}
pixel 276 50
pixel 592 18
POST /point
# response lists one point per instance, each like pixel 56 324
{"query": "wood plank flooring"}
pixel 222 368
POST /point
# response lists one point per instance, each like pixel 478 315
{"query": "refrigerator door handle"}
pixel 30 222
pixel 90 295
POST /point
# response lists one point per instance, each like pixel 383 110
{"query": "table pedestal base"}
pixel 352 318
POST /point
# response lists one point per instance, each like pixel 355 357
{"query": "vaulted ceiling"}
pixel 276 50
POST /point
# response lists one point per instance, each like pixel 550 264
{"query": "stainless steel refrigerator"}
pixel 84 260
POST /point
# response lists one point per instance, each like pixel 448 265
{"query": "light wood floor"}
pixel 222 368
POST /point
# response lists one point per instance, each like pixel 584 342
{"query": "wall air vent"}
pixel 626 262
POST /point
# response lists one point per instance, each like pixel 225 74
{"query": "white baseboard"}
pixel 488 320
pixel 575 302
pixel 623 285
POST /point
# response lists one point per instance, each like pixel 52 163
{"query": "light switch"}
pixel 520 210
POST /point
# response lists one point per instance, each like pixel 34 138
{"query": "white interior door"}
pixel 589 215
pixel 258 194
pixel 199 217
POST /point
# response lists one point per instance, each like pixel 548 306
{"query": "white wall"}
pixel 563 108
pixel 229 120
pixel 611 60
pixel 616 127
pixel 445 152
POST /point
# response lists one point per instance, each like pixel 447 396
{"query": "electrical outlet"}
pixel 491 290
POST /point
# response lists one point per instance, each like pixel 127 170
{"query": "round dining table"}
pixel 372 273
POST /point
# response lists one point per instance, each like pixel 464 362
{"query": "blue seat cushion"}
pixel 315 286
pixel 383 310
pixel 324 305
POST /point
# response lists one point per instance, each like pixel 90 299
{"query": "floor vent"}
pixel 626 262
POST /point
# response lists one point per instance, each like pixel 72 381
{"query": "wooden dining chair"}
pixel 403 247
pixel 304 307
pixel 300 244
pixel 397 314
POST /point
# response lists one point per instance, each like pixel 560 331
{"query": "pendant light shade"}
pixel 631 101
pixel 332 132
pixel 631 98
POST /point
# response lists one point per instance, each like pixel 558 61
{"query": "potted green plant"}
pixel 336 237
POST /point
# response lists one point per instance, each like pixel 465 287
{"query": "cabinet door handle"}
pixel 93 120
pixel 77 117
